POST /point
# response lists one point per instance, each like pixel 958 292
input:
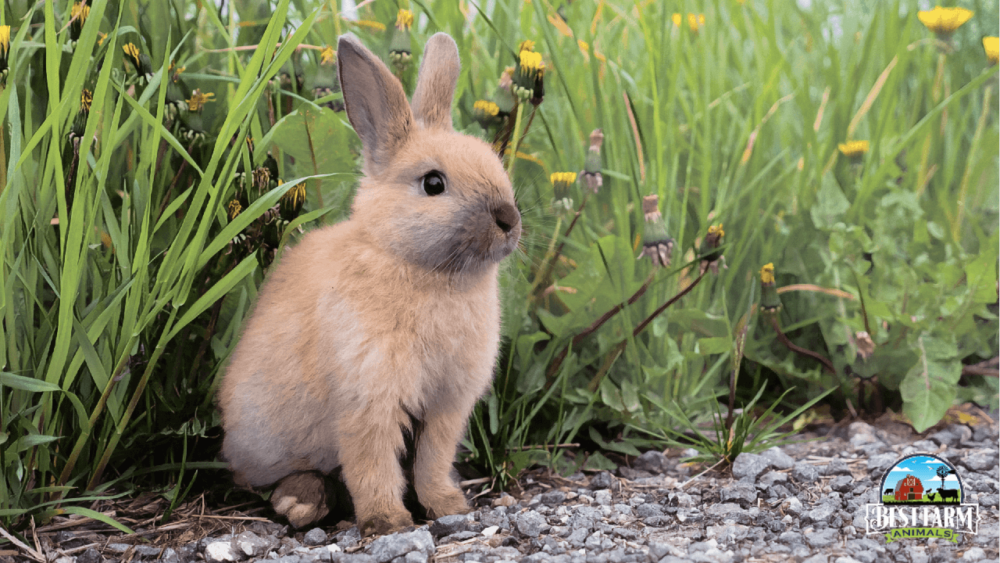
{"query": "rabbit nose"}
pixel 507 217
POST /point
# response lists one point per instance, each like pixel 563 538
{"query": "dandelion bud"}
pixel 529 67
pixel 711 256
pixel 198 100
pixel 487 113
pixel 561 181
pixel 233 209
pixel 769 300
pixel 399 51
pixel 656 243
pixel 866 346
pixel 991 45
pixel 592 168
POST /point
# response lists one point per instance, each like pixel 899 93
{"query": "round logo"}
pixel 922 479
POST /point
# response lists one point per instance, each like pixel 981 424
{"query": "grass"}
pixel 117 318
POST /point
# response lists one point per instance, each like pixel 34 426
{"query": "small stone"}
pixel 842 483
pixel 772 478
pixel 741 492
pixel 69 559
pixel 89 556
pixel 777 458
pixel 749 466
pixel 602 480
pixel 504 500
pixel 603 497
pixel 387 548
pixel 822 538
pixel 220 551
pixel 415 557
pixel 553 498
pixel 253 545
pixel 980 460
pixel 790 538
pixel 837 467
pixel 878 464
pixel 531 524
pixel 793 506
pixel 490 531
pixel 805 473
pixel 726 511
pixel 577 537
pixel 652 461
pixel 974 554
pixel 168 556
pixel 147 551
pixel 818 558
pixel 846 559
pixel 313 537
pixel 448 525
pixel 648 510
pixel 459 536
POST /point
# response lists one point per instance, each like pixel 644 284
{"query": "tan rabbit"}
pixel 390 317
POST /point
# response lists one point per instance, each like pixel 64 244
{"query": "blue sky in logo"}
pixel 922 467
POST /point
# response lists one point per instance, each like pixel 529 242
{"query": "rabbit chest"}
pixel 421 347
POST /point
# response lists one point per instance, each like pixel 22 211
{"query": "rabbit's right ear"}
pixel 375 102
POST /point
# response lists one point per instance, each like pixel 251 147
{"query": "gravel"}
pixel 804 502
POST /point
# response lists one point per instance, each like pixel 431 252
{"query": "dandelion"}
pixel 526 45
pixel 486 107
pixel 529 71
pixel 140 61
pixel 695 21
pixel 711 255
pixel 561 181
pixel 373 25
pixel 656 242
pixel 854 150
pixel 944 21
pixel 326 56
pixel 233 209
pixel 198 100
pixel 78 16
pixel 591 174
pixel 4 50
pixel 291 203
pixel 992 47
pixel 769 300
pixel 399 50
pixel 86 98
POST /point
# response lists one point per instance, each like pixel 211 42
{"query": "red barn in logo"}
pixel 909 488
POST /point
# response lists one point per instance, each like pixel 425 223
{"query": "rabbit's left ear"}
pixel 436 82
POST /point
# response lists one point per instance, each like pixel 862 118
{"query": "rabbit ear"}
pixel 375 102
pixel 436 82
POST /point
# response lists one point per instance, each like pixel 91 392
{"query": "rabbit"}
pixel 384 325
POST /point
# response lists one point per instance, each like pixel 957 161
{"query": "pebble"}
pixel 316 536
pixel 387 548
pixel 749 466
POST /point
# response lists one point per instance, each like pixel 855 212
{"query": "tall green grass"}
pixel 117 319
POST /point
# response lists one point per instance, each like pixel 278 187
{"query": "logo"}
pixel 921 497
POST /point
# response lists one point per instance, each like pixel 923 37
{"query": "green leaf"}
pixel 717 345
pixel 99 517
pixel 26 383
pixel 830 204
pixel 597 462
pixel 929 387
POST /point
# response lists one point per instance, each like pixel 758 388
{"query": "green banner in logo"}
pixel 916 533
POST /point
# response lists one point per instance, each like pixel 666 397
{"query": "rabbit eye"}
pixel 433 183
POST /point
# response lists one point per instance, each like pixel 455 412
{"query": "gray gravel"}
pixel 804 502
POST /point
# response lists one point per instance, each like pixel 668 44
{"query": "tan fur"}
pixel 391 314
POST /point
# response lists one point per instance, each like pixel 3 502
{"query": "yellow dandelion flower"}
pixel 173 68
pixel 373 25
pixel 80 11
pixel 486 107
pixel 944 21
pixel 100 40
pixel 853 149
pixel 86 98
pixel 531 61
pixel 198 100
pixel 404 19
pixel 131 50
pixel 4 40
pixel 695 21
pixel 565 178
pixel 326 55
pixel 233 209
pixel 526 45
pixel 716 230
pixel 767 273
pixel 992 47
pixel 106 240
pixel 296 196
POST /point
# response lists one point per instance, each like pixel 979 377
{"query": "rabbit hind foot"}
pixel 301 498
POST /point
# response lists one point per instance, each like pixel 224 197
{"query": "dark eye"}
pixel 433 183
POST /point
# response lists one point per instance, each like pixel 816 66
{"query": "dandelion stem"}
pixel 512 159
pixel 549 263
pixel 967 176
pixel 799 350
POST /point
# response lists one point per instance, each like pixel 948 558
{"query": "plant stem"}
pixel 512 160
pixel 799 350
pixel 549 263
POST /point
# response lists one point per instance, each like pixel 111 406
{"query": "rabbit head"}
pixel 436 198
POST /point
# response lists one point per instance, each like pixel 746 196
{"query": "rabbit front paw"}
pixel 381 524
pixel 451 502
pixel 301 498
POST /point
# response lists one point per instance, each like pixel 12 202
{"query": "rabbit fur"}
pixel 391 316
